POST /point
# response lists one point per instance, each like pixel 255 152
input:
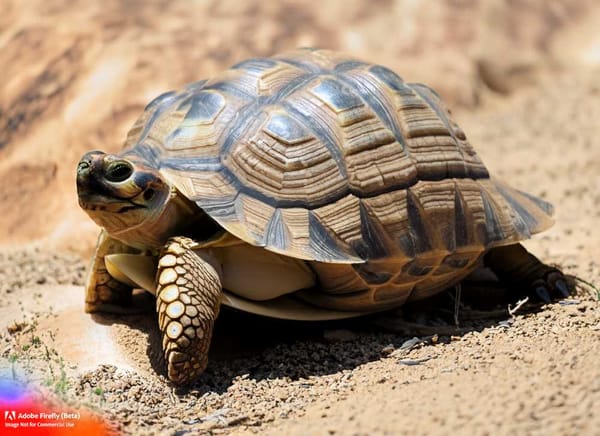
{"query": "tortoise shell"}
pixel 321 157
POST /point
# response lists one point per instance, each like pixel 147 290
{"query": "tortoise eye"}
pixel 118 171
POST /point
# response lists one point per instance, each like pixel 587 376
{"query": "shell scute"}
pixel 285 129
pixel 198 129
pixel 338 97
pixel 388 77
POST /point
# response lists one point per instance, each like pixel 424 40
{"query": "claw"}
pixel 562 287
pixel 543 294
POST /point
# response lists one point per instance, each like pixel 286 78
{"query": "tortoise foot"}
pixel 525 275
pixel 552 286
pixel 105 294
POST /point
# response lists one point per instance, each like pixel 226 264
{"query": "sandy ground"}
pixel 532 373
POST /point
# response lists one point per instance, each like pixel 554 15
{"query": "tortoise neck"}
pixel 176 214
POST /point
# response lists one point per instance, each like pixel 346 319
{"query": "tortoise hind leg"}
pixel 521 270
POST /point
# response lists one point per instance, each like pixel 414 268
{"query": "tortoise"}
pixel 307 185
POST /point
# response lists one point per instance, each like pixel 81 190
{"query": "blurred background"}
pixel 75 74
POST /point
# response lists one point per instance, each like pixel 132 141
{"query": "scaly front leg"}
pixel 104 293
pixel 188 297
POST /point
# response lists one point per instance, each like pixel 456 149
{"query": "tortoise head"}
pixel 122 195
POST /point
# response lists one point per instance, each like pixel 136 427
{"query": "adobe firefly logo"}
pixel 10 415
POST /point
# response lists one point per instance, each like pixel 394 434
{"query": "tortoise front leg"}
pixel 103 293
pixel 188 297
pixel 519 269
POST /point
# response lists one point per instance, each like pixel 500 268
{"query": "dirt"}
pixel 523 80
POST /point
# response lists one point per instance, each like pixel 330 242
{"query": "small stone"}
pixel 460 134
pixel 569 302
pixel 387 350
pixel 413 362
pixel 16 327
pixel 407 345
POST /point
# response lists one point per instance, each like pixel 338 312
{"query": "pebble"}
pixel 413 362
pixel 407 345
pixel 388 349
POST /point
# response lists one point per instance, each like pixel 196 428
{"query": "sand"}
pixel 534 372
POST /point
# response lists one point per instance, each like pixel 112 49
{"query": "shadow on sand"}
pixel 260 347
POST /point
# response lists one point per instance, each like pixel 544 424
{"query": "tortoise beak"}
pixel 89 166
pixel 103 179
pixel 88 169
